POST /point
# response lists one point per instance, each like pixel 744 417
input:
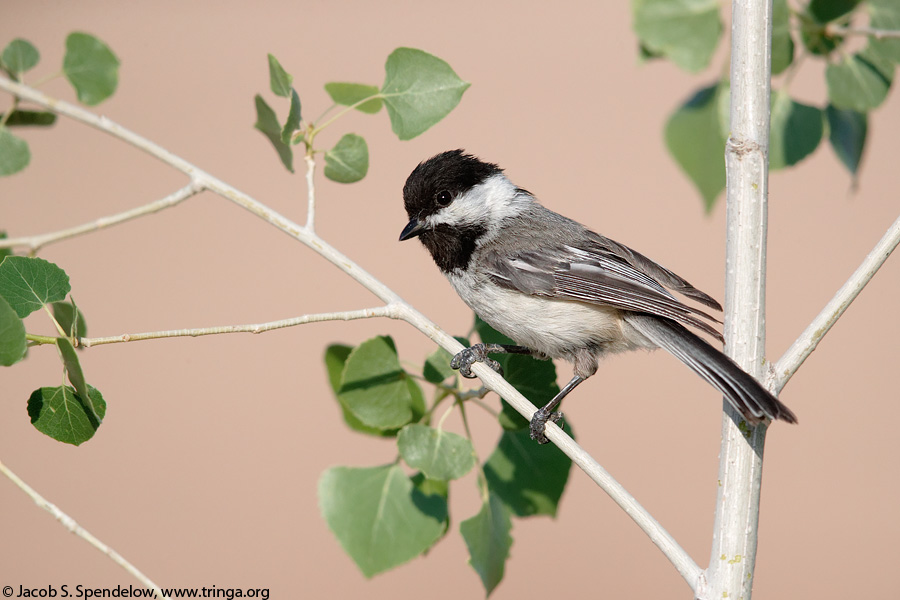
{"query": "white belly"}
pixel 555 328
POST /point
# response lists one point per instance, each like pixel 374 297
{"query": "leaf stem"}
pixel 879 34
pixel 318 128
pixel 440 423
pixel 59 328
pixel 40 339
pixel 326 111
pixel 482 479
pixel 46 78
pixel 5 116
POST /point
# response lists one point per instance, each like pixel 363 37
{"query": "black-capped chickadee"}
pixel 557 288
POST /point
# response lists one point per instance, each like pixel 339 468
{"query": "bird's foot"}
pixel 464 360
pixel 539 423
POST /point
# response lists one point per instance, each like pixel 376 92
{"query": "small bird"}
pixel 558 289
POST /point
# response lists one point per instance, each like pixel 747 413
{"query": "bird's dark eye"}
pixel 443 198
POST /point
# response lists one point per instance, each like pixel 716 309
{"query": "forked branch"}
pixel 305 234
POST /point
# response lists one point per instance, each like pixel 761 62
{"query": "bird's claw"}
pixel 464 360
pixel 539 423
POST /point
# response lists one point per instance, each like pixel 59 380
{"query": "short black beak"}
pixel 412 229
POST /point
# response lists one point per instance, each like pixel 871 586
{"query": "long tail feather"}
pixel 746 394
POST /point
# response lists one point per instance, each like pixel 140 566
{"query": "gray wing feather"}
pixel 653 270
pixel 593 276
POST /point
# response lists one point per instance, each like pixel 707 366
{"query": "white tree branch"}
pixel 659 536
pixel 679 558
pixel 70 524
pixel 310 192
pixel 365 313
pixel 788 364
pixel 879 34
pixel 733 555
pixel 36 242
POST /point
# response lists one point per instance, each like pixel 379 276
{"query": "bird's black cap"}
pixel 453 171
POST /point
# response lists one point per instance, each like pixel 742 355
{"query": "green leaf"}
pixel 374 387
pixel 29 283
pixel 686 31
pixel 431 487
pixel 815 20
pixel 60 413
pixel 19 56
pixel 379 516
pixel 13 344
pixel 348 161
pixel 279 80
pixel 815 37
pixel 795 131
pixel 487 537
pixel 885 14
pixel 30 117
pixel 4 252
pixel 535 379
pixel 417 399
pixel 419 90
pixel 437 453
pixel 528 477
pixel 14 153
pixel 91 67
pixel 76 377
pixel 72 366
pixel 267 123
pixel 697 143
pixel 848 130
pixel 348 94
pixel 825 11
pixel 69 318
pixel 437 366
pixel 860 81
pixel 293 120
pixel 335 358
pixel 782 42
pixel 510 419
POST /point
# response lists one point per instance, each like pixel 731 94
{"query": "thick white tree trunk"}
pixel 730 572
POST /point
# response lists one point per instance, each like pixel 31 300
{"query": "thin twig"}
pixel 365 313
pixel 35 242
pixel 70 524
pixel 310 192
pixel 659 536
pixel 879 34
pixel 788 364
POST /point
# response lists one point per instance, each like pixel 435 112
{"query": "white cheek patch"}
pixel 487 203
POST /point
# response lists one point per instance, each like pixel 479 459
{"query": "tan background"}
pixel 205 470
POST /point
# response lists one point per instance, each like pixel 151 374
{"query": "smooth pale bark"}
pixel 733 557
